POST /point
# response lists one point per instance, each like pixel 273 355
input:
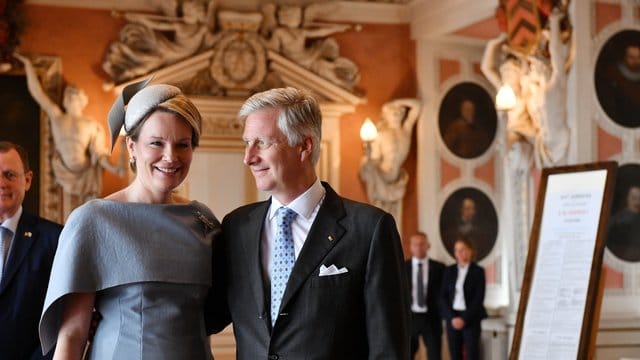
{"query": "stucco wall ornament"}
pixel 239 60
pixel 234 43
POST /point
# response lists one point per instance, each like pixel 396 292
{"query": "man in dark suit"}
pixel 462 302
pixel 322 281
pixel 425 280
pixel 27 246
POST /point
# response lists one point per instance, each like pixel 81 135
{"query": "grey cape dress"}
pixel 150 267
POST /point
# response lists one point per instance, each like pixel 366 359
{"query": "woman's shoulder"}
pixel 87 209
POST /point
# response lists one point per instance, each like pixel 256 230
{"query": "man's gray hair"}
pixel 298 115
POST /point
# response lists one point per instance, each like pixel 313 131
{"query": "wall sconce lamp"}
pixel 506 98
pixel 368 131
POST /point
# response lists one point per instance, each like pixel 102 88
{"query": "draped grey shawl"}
pixel 106 243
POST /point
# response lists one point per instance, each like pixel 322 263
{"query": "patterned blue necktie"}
pixel 282 258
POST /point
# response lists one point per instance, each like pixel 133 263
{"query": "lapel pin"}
pixel 330 238
pixel 28 234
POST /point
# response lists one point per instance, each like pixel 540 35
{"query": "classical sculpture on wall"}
pixel 149 42
pixel 80 149
pixel 239 44
pixel 533 61
pixel 537 124
pixel 307 44
pixel 381 166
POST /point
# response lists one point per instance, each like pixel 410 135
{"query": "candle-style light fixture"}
pixel 506 98
pixel 368 131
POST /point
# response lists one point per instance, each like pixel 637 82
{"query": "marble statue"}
pixel 307 44
pixel 381 166
pixel 536 127
pixel 81 152
pixel 145 46
pixel 537 124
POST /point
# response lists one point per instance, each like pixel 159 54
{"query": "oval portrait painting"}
pixel 470 213
pixel 623 238
pixel 617 78
pixel 467 120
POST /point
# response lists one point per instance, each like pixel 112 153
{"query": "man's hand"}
pixel 457 323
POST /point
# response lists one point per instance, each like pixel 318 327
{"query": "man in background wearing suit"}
pixel 27 246
pixel 308 274
pixel 462 302
pixel 425 278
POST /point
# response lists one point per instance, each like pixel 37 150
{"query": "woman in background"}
pixel 142 256
pixel 461 302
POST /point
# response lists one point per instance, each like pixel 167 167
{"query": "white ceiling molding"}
pixel 430 19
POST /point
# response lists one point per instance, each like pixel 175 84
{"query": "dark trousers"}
pixel 430 328
pixel 467 338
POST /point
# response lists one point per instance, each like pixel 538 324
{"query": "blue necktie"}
pixel 5 238
pixel 282 258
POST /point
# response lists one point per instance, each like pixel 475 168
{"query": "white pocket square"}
pixel 332 270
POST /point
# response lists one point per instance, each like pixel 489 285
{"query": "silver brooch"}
pixel 207 223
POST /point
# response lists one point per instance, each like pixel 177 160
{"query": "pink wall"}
pixel 606 13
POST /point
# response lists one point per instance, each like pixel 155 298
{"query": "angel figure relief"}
pixel 149 41
pixel 293 32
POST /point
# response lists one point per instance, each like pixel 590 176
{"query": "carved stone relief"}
pixel 236 50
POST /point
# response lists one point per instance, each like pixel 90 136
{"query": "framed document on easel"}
pixel 561 292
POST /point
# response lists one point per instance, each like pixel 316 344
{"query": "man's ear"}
pixel 28 176
pixel 306 148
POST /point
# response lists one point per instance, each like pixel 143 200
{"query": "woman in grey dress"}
pixel 142 256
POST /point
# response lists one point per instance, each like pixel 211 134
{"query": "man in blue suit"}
pixel 27 246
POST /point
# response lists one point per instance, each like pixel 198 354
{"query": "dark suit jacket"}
pixel 24 285
pixel 434 284
pixel 361 314
pixel 474 289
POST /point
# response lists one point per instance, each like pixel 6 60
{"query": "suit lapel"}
pixel 324 234
pixel 408 267
pixel 25 236
pixel 251 233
